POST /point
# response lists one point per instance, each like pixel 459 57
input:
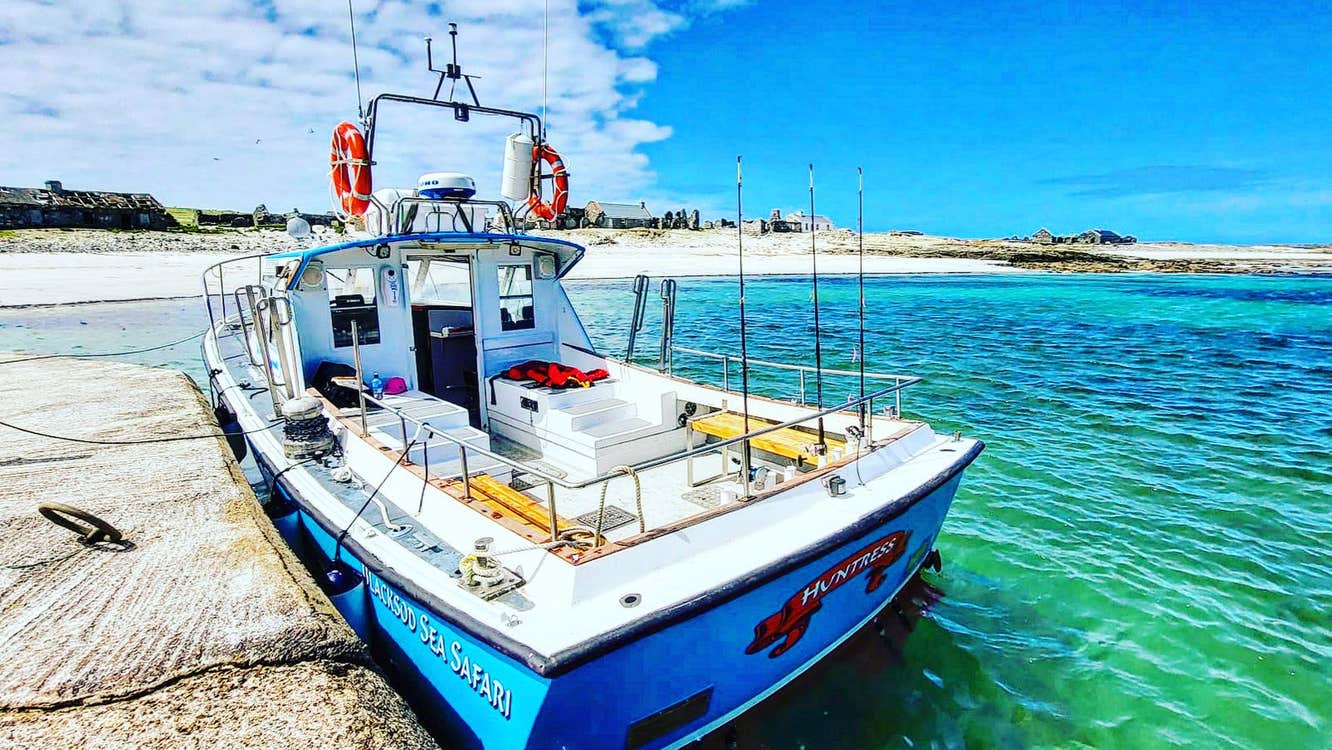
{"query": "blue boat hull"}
pixel 661 684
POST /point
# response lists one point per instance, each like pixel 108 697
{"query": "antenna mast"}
pixel 860 229
pixel 545 67
pixel 746 462
pixel 818 343
pixel 453 72
pixel 356 62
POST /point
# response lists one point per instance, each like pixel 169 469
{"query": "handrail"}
pixel 726 359
pixel 222 288
pixel 392 216
pixel 652 463
pixel 788 366
pixel 254 359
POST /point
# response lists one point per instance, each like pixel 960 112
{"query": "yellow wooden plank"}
pixel 787 442
pixel 503 497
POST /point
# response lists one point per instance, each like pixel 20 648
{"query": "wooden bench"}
pixel 507 501
pixel 790 443
pixel 787 442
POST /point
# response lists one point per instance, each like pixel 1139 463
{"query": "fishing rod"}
pixel 818 344
pixel 860 230
pixel 746 462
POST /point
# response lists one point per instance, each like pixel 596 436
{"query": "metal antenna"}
pixel 453 72
pixel 356 62
pixel 818 344
pixel 545 66
pixel 860 229
pixel 746 461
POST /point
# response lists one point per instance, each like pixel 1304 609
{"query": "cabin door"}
pixel 443 330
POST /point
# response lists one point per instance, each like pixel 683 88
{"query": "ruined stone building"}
pixel 617 215
pixel 816 223
pixel 1044 236
pixel 54 206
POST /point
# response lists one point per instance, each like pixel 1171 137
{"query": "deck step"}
pixel 590 407
pixel 617 428
pixel 592 413
pixel 391 436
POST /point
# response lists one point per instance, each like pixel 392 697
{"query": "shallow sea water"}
pixel 1139 559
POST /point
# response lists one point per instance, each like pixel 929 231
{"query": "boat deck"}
pixel 664 497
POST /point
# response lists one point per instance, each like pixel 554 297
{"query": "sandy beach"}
pixel 42 267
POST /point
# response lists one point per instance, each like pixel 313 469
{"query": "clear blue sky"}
pixel 1205 121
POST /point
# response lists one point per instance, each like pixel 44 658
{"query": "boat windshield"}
pixel 440 282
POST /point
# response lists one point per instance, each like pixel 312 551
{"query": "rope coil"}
pixel 313 428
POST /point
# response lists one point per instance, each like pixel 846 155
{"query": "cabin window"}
pixel 440 282
pixel 515 295
pixel 351 297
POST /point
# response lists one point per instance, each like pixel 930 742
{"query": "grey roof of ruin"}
pixel 38 197
pixel 624 211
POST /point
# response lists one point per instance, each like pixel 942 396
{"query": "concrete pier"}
pixel 208 632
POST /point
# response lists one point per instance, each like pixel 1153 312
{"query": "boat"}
pixel 545 545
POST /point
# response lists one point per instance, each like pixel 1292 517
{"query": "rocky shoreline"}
pixel 103 241
pixel 677 245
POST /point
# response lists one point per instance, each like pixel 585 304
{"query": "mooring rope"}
pixel 145 441
pixel 74 355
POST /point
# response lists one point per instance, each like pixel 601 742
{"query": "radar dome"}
pixel 437 185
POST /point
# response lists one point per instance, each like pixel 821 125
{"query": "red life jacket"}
pixel 554 374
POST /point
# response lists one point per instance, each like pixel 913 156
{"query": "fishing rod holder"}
pixel 641 283
pixel 667 292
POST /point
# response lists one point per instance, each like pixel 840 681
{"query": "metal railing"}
pixel 727 359
pixel 400 216
pixel 552 481
pixel 218 270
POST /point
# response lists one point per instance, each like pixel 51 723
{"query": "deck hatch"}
pixel 669 719
pixel 615 518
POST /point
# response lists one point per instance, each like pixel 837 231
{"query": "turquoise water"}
pixel 1139 559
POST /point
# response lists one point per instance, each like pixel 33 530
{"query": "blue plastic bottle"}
pixel 377 387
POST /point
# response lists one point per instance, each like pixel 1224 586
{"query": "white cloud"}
pixel 635 23
pixel 712 6
pixel 231 102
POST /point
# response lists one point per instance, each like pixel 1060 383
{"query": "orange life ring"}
pixel 350 169
pixel 560 200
